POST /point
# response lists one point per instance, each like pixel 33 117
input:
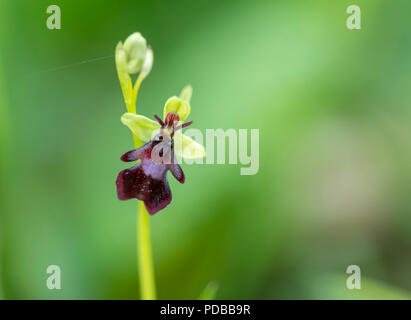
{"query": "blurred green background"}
pixel 333 109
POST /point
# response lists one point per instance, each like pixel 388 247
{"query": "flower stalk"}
pixel 165 143
pixel 135 57
pixel 145 257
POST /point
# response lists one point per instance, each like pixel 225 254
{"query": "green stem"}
pixel 145 258
pixel 144 255
pixel 144 252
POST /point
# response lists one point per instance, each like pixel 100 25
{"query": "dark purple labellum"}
pixel 147 180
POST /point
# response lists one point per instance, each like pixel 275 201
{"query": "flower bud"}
pixel 135 48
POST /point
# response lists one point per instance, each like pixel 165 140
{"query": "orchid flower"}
pixel 147 181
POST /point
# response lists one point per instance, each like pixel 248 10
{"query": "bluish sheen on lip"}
pixel 147 181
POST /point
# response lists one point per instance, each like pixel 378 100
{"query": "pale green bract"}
pixel 148 63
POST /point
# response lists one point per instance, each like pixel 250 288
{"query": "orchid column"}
pixel 135 57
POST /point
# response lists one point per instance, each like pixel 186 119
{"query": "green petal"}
pixel 186 93
pixel 141 126
pixel 186 147
pixel 175 104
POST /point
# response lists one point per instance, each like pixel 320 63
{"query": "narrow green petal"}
pixel 186 147
pixel 141 126
pixel 175 104
pixel 186 93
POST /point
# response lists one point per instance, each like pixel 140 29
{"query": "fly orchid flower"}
pixel 147 180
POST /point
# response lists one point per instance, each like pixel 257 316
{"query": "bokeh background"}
pixel 333 110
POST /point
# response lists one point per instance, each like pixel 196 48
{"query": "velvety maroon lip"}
pixel 147 180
